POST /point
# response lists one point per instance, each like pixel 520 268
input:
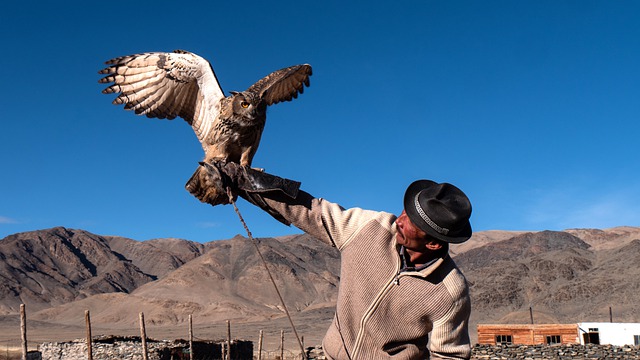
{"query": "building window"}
pixel 636 340
pixel 592 337
pixel 503 339
pixel 553 339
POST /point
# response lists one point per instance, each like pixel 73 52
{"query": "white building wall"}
pixel 611 333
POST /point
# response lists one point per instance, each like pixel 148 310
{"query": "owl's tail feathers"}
pixel 207 185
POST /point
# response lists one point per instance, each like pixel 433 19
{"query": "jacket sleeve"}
pixel 320 218
pixel 450 334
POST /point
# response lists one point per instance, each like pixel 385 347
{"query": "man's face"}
pixel 410 235
pixel 414 239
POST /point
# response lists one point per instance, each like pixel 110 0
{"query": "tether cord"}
pixel 255 244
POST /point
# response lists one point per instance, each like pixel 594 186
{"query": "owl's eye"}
pixel 244 104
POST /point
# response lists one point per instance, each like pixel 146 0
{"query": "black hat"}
pixel 440 210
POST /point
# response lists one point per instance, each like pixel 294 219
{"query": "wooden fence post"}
pixel 228 340
pixel 260 346
pixel 23 330
pixel 281 344
pixel 87 320
pixel 190 337
pixel 610 315
pixel 143 337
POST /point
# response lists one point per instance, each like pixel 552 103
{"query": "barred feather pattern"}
pixel 166 86
pixel 182 84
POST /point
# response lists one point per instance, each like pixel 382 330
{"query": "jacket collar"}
pixel 421 270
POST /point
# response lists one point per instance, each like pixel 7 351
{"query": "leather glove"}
pixel 208 184
pixel 249 183
pixel 254 181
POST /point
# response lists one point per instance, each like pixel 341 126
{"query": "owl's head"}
pixel 248 105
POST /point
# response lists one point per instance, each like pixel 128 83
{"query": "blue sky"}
pixel 530 107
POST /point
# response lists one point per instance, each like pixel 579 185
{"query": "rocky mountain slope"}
pixel 229 281
pixel 562 277
pixel 61 272
pixel 157 257
pixel 57 266
pixel 569 276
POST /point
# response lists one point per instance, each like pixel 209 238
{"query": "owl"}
pixel 182 84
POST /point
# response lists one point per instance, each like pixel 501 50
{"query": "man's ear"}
pixel 434 245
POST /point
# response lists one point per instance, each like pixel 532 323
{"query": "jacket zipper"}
pixel 393 280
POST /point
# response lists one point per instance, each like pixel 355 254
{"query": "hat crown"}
pixel 440 210
pixel 446 206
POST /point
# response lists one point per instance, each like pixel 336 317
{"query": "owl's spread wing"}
pixel 282 85
pixel 166 85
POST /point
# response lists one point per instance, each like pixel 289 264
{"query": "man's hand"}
pixel 210 182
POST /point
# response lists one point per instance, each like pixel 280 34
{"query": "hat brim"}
pixel 459 236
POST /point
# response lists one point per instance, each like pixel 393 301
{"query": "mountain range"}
pixel 562 276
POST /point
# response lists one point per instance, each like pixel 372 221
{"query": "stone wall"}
pixel 130 348
pixel 539 352
pixel 534 352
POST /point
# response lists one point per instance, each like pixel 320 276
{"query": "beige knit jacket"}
pixel 383 313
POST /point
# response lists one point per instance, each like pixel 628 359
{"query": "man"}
pixel 398 284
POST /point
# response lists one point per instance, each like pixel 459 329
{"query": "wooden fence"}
pixel 226 348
